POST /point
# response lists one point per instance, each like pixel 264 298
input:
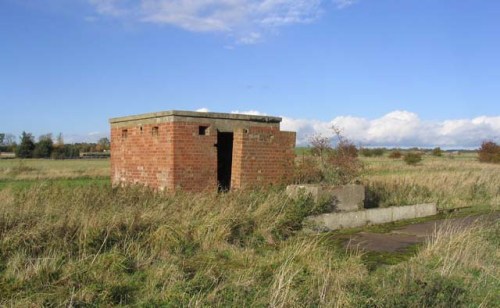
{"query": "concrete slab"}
pixel 379 216
pixel 342 220
pixel 346 198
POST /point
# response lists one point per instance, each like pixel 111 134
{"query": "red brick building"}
pixel 195 151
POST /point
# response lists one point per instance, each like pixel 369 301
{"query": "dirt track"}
pixel 399 239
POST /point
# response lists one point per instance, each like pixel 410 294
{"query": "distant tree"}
pixel 489 152
pixel 412 158
pixel 58 151
pixel 26 147
pixel 44 147
pixel 437 152
pixel 103 144
pixel 8 142
pixel 59 140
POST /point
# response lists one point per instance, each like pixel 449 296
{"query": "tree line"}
pixel 48 147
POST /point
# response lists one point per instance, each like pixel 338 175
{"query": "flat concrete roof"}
pixel 194 114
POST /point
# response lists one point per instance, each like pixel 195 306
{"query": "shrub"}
pixel 489 152
pixel 372 152
pixel 344 165
pixel 413 158
pixel 395 154
pixel 338 166
pixel 307 171
pixel 320 146
pixel 437 152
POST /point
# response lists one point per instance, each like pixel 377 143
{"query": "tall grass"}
pixel 94 245
pixel 102 246
pixel 78 245
pixel 452 183
pixel 458 267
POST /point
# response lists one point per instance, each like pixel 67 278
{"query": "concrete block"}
pixel 403 212
pixel 424 210
pixel 345 198
pixel 379 216
pixel 341 220
pixel 335 221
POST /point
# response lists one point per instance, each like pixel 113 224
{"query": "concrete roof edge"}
pixel 195 114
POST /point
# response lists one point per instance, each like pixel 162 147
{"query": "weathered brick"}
pixel 166 151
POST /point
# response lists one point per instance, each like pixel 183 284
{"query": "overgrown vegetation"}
pixel 375 152
pixel 93 245
pixel 396 154
pixel 489 152
pixel 66 243
pixel 337 165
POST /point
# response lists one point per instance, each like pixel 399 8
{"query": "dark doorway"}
pixel 224 160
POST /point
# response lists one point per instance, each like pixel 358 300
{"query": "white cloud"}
pixel 90 137
pixel 249 112
pixel 395 129
pixel 108 7
pixel 401 128
pixel 245 20
pixel 340 4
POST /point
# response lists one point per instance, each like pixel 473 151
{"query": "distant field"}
pixel 72 172
pixel 451 180
pixel 37 169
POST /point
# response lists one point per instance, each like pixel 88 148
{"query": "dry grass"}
pixel 38 169
pixel 458 267
pixel 452 182
pixel 94 245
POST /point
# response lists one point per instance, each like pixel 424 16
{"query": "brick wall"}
pixel 143 154
pixel 195 157
pixel 262 156
pixel 173 155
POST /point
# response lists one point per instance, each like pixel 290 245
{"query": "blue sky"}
pixel 390 72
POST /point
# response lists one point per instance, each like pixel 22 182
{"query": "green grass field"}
pixel 67 238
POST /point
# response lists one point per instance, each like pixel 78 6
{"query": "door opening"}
pixel 224 160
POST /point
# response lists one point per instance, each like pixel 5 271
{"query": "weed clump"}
pixel 412 158
pixel 337 165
